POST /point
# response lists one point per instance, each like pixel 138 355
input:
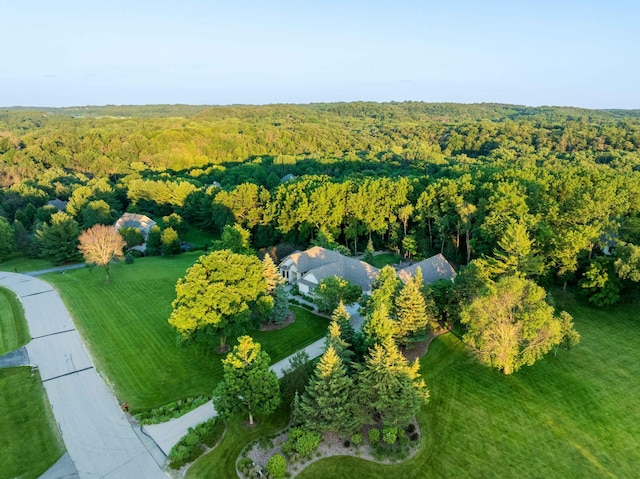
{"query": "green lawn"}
pixel 14 331
pixel 24 264
pixel 573 415
pixel 125 325
pixel 383 259
pixel 29 441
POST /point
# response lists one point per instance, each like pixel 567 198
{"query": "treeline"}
pixel 469 181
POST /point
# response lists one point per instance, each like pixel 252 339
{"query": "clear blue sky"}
pixel 533 52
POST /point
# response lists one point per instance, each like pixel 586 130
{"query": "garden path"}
pixel 98 437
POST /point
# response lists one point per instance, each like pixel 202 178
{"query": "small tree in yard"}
pixel 132 236
pixel 100 245
pixel 330 291
pixel 154 241
pixel 280 310
pixel 271 274
pixel 248 384
pixel 170 242
pixel 411 308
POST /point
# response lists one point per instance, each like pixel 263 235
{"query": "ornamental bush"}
pixel 277 466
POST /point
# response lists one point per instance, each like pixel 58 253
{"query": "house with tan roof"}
pixel 308 268
pixel 134 220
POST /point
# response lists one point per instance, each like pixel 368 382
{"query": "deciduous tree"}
pixel 511 325
pixel 100 245
pixel 216 294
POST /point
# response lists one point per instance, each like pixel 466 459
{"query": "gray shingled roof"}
pixel 313 258
pixel 353 270
pixel 58 204
pixel 433 269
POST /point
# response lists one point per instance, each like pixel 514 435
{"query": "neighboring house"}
pixel 134 220
pixel 433 269
pixel 58 204
pixel 308 268
pixel 287 177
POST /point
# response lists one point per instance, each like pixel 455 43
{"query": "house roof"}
pixel 323 263
pixel 433 269
pixel 134 220
pixel 58 204
pixel 312 258
pixel 287 177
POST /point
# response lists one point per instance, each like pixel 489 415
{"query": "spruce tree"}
pixel 389 388
pixel 340 346
pixel 378 327
pixel 248 384
pixel 411 309
pixel 271 274
pixel 327 403
pixel 341 316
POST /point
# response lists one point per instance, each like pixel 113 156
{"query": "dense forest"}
pixel 553 191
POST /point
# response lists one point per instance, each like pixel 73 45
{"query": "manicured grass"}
pixel 14 331
pixel 383 259
pixel 573 415
pixel 125 326
pixel 24 264
pixel 198 238
pixel 29 442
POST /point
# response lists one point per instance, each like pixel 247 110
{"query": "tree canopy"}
pixel 216 295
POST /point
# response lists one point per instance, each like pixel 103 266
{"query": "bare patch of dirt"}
pixel 273 327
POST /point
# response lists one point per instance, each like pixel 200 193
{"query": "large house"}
pixel 141 222
pixel 308 268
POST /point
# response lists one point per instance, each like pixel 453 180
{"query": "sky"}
pixel 532 52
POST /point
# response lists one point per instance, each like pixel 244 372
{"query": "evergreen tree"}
pixel 368 253
pixel 388 387
pixel 154 241
pixel 248 384
pixel 327 403
pixel 280 310
pixel 413 319
pixel 378 327
pixel 516 255
pixel 271 274
pixel 340 346
pixel 59 239
pixel 347 332
pixel 384 289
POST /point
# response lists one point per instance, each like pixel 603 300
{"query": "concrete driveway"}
pixel 99 439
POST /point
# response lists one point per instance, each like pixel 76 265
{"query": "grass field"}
pixel 14 331
pixel 125 326
pixel 383 259
pixel 29 442
pixel 24 264
pixel 573 415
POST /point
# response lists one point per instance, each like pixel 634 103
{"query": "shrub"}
pixel 411 428
pixel 265 443
pixel 129 258
pixel 414 436
pixel 389 435
pixel 245 464
pixel 210 431
pixel 170 410
pixel 301 442
pixel 374 436
pixel 276 466
pixel 356 439
pixel 347 443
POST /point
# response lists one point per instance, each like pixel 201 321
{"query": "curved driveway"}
pixel 99 438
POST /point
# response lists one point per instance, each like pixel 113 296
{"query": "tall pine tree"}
pixel 327 403
pixel 388 387
pixel 413 320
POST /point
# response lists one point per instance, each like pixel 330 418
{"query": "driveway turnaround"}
pixel 100 441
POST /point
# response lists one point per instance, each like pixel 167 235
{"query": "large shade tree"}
pixel 59 238
pixel 248 384
pixel 216 295
pixel 512 325
pixel 100 245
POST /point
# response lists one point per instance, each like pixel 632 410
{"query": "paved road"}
pixel 99 439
